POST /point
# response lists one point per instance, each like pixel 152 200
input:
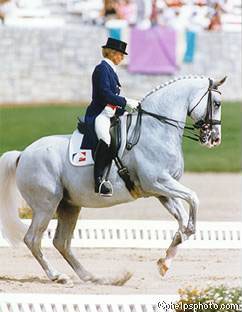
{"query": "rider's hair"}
pixel 108 52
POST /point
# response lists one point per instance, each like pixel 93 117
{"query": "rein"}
pixel 205 123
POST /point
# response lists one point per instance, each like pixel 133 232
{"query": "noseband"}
pixel 204 124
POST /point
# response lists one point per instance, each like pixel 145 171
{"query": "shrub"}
pixel 210 299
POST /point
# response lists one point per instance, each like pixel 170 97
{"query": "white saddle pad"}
pixel 78 156
pixel 83 157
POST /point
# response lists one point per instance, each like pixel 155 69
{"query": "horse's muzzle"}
pixel 210 138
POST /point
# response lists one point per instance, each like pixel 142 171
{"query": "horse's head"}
pixel 205 110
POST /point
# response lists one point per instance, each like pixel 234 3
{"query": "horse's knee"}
pixel 194 200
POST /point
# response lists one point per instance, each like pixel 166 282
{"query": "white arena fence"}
pixel 145 234
pixel 86 303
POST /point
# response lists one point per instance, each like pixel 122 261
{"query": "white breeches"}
pixel 102 126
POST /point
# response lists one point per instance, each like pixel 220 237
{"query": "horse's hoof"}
pixel 162 267
pixel 63 279
pixel 122 280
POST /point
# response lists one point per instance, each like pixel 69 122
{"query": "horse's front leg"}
pixel 176 209
pixel 168 187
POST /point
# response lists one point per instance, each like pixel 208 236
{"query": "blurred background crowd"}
pixel 190 14
pixel 60 39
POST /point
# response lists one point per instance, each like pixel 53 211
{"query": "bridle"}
pixel 208 120
pixel 205 124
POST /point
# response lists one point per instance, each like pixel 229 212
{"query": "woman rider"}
pixel 106 102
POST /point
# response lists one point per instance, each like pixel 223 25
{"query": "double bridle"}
pixel 205 124
pixel 208 120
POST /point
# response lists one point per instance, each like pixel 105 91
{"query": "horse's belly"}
pixel 79 183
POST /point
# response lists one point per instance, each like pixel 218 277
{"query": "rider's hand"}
pixel 133 104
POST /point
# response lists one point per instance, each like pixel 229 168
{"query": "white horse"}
pixel 49 184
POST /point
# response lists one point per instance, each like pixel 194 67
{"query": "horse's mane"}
pixel 163 85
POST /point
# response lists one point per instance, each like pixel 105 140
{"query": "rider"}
pixel 106 102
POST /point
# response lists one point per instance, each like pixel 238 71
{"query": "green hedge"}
pixel 20 126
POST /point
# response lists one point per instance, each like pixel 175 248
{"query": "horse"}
pixel 45 179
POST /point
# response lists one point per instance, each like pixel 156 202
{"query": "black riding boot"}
pixel 102 159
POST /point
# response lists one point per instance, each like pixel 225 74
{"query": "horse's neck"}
pixel 173 100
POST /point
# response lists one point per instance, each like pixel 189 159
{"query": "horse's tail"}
pixel 11 226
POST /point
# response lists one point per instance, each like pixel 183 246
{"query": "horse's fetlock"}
pixel 191 230
pixel 183 229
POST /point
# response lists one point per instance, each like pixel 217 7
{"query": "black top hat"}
pixel 116 45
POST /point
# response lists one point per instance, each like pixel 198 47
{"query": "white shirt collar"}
pixel 111 64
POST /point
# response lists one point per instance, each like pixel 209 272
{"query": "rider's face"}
pixel 117 57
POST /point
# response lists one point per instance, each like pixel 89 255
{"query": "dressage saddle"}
pixel 115 132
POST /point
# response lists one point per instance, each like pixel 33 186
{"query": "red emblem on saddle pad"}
pixel 83 156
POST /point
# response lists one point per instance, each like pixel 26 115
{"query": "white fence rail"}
pixel 85 303
pixel 146 234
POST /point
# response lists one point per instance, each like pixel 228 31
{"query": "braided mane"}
pixel 163 85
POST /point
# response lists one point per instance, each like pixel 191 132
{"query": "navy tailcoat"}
pixel 105 90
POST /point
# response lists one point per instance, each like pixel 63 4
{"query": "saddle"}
pixel 115 133
pixel 82 156
pixel 119 132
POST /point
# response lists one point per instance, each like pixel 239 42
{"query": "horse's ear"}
pixel 218 83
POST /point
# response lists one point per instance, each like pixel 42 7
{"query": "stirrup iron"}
pixel 100 187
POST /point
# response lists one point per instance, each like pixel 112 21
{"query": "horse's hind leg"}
pixel 67 218
pixel 41 218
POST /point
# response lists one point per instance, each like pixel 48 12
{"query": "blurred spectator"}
pixel 2 13
pixel 193 15
pixel 126 10
pixel 215 20
pixel 197 19
pixel 109 7
pixel 144 9
pixel 154 13
pixel 174 3
pixel 7 7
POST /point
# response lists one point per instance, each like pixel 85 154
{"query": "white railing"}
pixel 86 303
pixel 146 234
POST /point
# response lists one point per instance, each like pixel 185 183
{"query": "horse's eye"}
pixel 217 104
